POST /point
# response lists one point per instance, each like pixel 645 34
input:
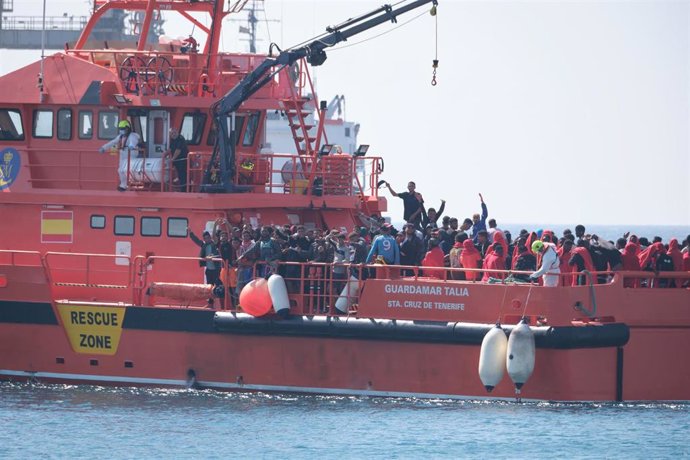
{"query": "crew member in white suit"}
pixel 127 142
pixel 550 265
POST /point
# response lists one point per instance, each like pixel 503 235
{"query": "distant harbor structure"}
pixel 24 32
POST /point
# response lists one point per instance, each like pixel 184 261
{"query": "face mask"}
pixel 122 132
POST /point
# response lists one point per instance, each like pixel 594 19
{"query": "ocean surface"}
pixel 57 421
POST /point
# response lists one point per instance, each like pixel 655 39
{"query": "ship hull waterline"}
pixel 225 351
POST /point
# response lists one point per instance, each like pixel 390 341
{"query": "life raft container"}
pixel 183 292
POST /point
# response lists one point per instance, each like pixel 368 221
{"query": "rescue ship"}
pixel 97 285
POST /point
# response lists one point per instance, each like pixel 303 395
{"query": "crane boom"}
pixel 315 54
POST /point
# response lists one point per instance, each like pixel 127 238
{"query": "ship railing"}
pixel 89 277
pixel 20 270
pixel 180 281
pixel 628 279
pixel 168 71
pixel 649 279
pixel 79 169
pixel 197 162
pixel 333 175
pixel 17 258
pixel 313 287
pixel 322 288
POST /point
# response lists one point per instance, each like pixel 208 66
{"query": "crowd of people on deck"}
pixel 428 248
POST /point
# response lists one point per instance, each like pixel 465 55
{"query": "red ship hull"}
pixel 167 346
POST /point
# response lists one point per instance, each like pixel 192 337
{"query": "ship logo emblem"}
pixel 9 167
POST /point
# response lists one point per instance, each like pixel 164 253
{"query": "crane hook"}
pixel 433 78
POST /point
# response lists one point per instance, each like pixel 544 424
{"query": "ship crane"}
pixel 223 156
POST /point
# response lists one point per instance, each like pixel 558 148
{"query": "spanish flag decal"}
pixel 57 226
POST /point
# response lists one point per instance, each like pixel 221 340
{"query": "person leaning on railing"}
pixel 208 251
pixel 245 260
pixel 384 246
pixel 127 142
pixel 550 265
pixel 341 256
pixel 267 252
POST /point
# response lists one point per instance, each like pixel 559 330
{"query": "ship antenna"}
pixel 43 55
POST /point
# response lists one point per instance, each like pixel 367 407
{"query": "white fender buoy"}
pixel 520 356
pixel 278 291
pixel 344 301
pixel 492 362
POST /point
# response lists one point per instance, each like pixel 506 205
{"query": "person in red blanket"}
pixel 564 253
pixel 494 260
pixel 676 255
pixel 434 258
pixel 500 238
pixel 631 263
pixel 470 258
pixel 581 259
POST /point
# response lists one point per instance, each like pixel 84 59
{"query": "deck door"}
pixel 158 126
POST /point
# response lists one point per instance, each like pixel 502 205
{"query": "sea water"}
pixel 40 421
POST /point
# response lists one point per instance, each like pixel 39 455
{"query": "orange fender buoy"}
pixel 255 299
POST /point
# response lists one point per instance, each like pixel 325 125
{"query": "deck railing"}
pixel 333 175
pixel 173 73
pixel 313 288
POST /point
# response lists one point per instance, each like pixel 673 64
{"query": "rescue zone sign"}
pixel 92 330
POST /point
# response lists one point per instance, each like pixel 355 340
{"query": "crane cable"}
pixel 434 64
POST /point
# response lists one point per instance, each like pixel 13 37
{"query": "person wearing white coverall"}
pixel 550 265
pixel 127 142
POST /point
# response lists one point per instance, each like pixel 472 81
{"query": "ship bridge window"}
pixel 250 132
pixel 11 125
pixel 85 124
pixel 64 124
pixel 97 221
pixel 150 226
pixel 177 227
pixel 192 128
pixel 43 124
pixel 124 225
pixel 107 124
pixel 239 124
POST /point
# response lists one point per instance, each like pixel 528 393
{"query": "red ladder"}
pixel 306 142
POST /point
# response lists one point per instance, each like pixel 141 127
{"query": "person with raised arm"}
pixel 413 204
pixel 479 221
